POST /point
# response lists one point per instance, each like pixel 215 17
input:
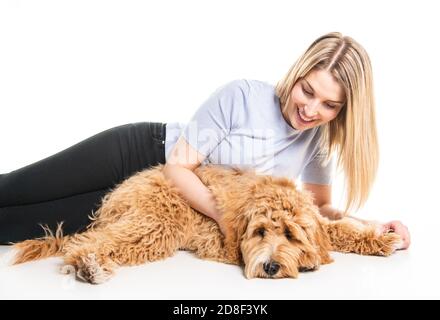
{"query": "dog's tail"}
pixel 48 246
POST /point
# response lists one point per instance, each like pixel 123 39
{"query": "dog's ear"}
pixel 308 219
pixel 235 225
pixel 307 215
pixel 322 240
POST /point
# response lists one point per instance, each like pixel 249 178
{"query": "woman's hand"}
pixel 400 229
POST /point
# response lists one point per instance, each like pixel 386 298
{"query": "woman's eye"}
pixel 329 106
pixel 306 92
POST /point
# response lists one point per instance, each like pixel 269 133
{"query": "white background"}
pixel 70 69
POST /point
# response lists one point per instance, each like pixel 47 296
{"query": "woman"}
pixel 322 109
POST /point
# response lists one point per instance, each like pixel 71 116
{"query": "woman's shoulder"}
pixel 249 85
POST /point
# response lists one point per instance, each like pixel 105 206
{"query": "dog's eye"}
pixel 288 235
pixel 260 232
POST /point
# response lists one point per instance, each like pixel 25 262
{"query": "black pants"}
pixel 69 185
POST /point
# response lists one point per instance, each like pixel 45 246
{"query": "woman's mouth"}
pixel 301 119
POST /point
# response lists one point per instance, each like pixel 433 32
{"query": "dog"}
pixel 272 228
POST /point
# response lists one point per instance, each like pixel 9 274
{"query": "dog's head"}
pixel 277 230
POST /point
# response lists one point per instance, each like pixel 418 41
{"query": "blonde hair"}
pixel 352 134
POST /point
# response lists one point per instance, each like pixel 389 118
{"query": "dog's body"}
pixel 271 227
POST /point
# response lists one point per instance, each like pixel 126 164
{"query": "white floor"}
pixel 406 274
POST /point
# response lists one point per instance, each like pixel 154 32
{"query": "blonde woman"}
pixel 320 113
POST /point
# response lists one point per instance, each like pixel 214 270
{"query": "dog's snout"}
pixel 271 268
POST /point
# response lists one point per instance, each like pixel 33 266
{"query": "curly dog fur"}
pixel 273 229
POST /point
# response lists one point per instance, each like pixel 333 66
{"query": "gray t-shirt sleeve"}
pixel 317 172
pixel 216 117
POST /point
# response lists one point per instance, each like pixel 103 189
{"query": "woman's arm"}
pixel 179 170
pixel 323 196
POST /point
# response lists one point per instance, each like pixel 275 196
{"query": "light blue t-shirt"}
pixel 241 124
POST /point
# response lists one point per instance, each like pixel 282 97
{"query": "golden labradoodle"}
pixel 272 228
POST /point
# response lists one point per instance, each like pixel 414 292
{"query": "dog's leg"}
pixel 349 235
pixel 209 244
pixel 97 252
pixel 147 248
pixel 140 243
pixel 90 256
pixel 218 253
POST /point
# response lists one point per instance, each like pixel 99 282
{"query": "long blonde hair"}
pixel 352 135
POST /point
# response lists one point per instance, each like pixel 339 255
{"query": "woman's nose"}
pixel 311 109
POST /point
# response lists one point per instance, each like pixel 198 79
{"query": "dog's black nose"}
pixel 271 268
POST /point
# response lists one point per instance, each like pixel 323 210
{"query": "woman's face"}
pixel 315 99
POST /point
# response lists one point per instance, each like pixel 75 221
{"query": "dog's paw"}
pixel 67 269
pixel 91 271
pixel 308 268
pixel 312 265
pixel 389 243
pixel 309 262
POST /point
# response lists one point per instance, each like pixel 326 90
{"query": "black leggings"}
pixel 69 185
